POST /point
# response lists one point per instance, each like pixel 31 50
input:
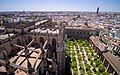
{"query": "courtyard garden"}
pixel 82 59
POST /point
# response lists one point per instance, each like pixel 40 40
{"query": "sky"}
pixel 60 5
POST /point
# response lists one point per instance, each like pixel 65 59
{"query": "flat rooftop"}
pixel 5 36
pixel 40 22
pixel 19 25
pixel 45 31
pixel 83 28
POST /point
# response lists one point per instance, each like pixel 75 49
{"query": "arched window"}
pixel 29 39
pixel 42 40
pixel 19 42
pixel 54 44
pixel 14 31
pixel 50 51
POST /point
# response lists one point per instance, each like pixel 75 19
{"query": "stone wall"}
pixel 80 33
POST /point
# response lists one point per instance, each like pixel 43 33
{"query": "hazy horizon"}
pixel 60 5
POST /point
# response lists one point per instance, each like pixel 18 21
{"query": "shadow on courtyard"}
pixel 67 66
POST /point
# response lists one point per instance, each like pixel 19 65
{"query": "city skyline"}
pixel 60 5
